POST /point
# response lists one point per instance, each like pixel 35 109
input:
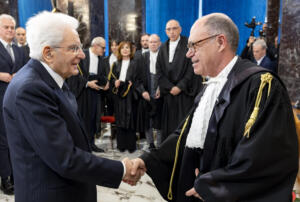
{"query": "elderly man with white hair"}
pixel 259 49
pixel 11 60
pixel 50 151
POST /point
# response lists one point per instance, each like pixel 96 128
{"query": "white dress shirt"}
pixel 144 50
pixel 153 58
pixel 202 114
pixel 112 59
pixel 260 60
pixel 124 68
pixel 93 68
pixel 172 49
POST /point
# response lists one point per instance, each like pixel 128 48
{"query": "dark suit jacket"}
pixel 49 147
pixel 268 64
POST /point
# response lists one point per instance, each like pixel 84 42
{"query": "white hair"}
pixel 97 40
pixel 47 29
pixel 260 42
pixel 5 16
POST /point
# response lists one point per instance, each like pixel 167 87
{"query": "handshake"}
pixel 135 169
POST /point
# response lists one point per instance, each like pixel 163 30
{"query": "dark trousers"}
pixel 126 139
pixel 5 164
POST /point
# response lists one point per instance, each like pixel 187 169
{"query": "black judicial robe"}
pixel 178 73
pixel 124 106
pixel 234 168
pixel 147 109
pixel 77 85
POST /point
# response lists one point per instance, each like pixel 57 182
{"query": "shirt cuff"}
pixel 124 170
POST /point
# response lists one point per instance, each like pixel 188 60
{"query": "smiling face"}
pixel 125 51
pixel 63 59
pixel 204 53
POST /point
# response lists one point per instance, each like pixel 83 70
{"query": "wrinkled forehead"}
pixel 198 30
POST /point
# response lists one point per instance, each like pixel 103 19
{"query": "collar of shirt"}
pixel 57 78
pixel 145 50
pixel 174 43
pixel 4 43
pixel 224 73
pixel 260 60
pixel 203 112
pixel 20 45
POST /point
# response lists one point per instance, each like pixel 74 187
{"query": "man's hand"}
pixel 92 84
pixel 175 90
pixel 192 191
pixel 117 83
pixel 146 96
pixel 133 172
pixel 6 77
pixel 136 168
pixel 250 41
pixel 157 93
pixel 106 87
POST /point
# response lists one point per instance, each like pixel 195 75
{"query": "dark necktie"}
pixel 70 97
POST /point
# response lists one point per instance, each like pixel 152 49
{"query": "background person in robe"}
pixel 175 78
pixel 50 151
pixel 235 158
pixel 87 88
pixel 149 106
pixel 11 60
pixel 122 83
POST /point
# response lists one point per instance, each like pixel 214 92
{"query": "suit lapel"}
pixel 6 55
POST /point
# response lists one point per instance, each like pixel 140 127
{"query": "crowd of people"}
pixel 224 125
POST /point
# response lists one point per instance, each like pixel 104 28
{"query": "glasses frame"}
pixel 73 48
pixel 192 45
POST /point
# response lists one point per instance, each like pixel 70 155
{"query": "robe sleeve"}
pixel 187 78
pixel 164 84
pixel 264 164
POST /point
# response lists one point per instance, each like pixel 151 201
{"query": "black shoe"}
pixel 7 186
pixel 97 149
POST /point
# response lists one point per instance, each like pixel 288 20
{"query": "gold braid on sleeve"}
pixel 265 79
pixel 170 194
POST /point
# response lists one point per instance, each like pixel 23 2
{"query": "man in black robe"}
pixel 239 141
pixel 87 88
pixel 175 78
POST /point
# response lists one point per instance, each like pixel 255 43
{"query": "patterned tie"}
pixel 70 97
pixel 9 50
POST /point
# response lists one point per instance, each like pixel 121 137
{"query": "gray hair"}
pixel 5 16
pixel 97 40
pixel 222 24
pixel 261 43
pixel 47 29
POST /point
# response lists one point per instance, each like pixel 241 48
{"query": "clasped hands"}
pixel 135 169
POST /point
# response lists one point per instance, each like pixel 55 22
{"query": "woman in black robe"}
pixel 122 79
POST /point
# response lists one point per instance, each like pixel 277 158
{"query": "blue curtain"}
pixel 28 8
pixel 159 12
pixel 240 11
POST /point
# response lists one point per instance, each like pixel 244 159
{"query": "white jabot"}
pixel 57 78
pixel 93 68
pixel 112 59
pixel 124 68
pixel 153 58
pixel 202 114
pixel 172 48
pixel 8 47
pixel 260 60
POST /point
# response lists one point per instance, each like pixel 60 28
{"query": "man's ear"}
pixel 222 42
pixel 47 54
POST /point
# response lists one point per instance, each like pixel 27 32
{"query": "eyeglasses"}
pixel 73 48
pixel 100 46
pixel 192 45
pixel 172 28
